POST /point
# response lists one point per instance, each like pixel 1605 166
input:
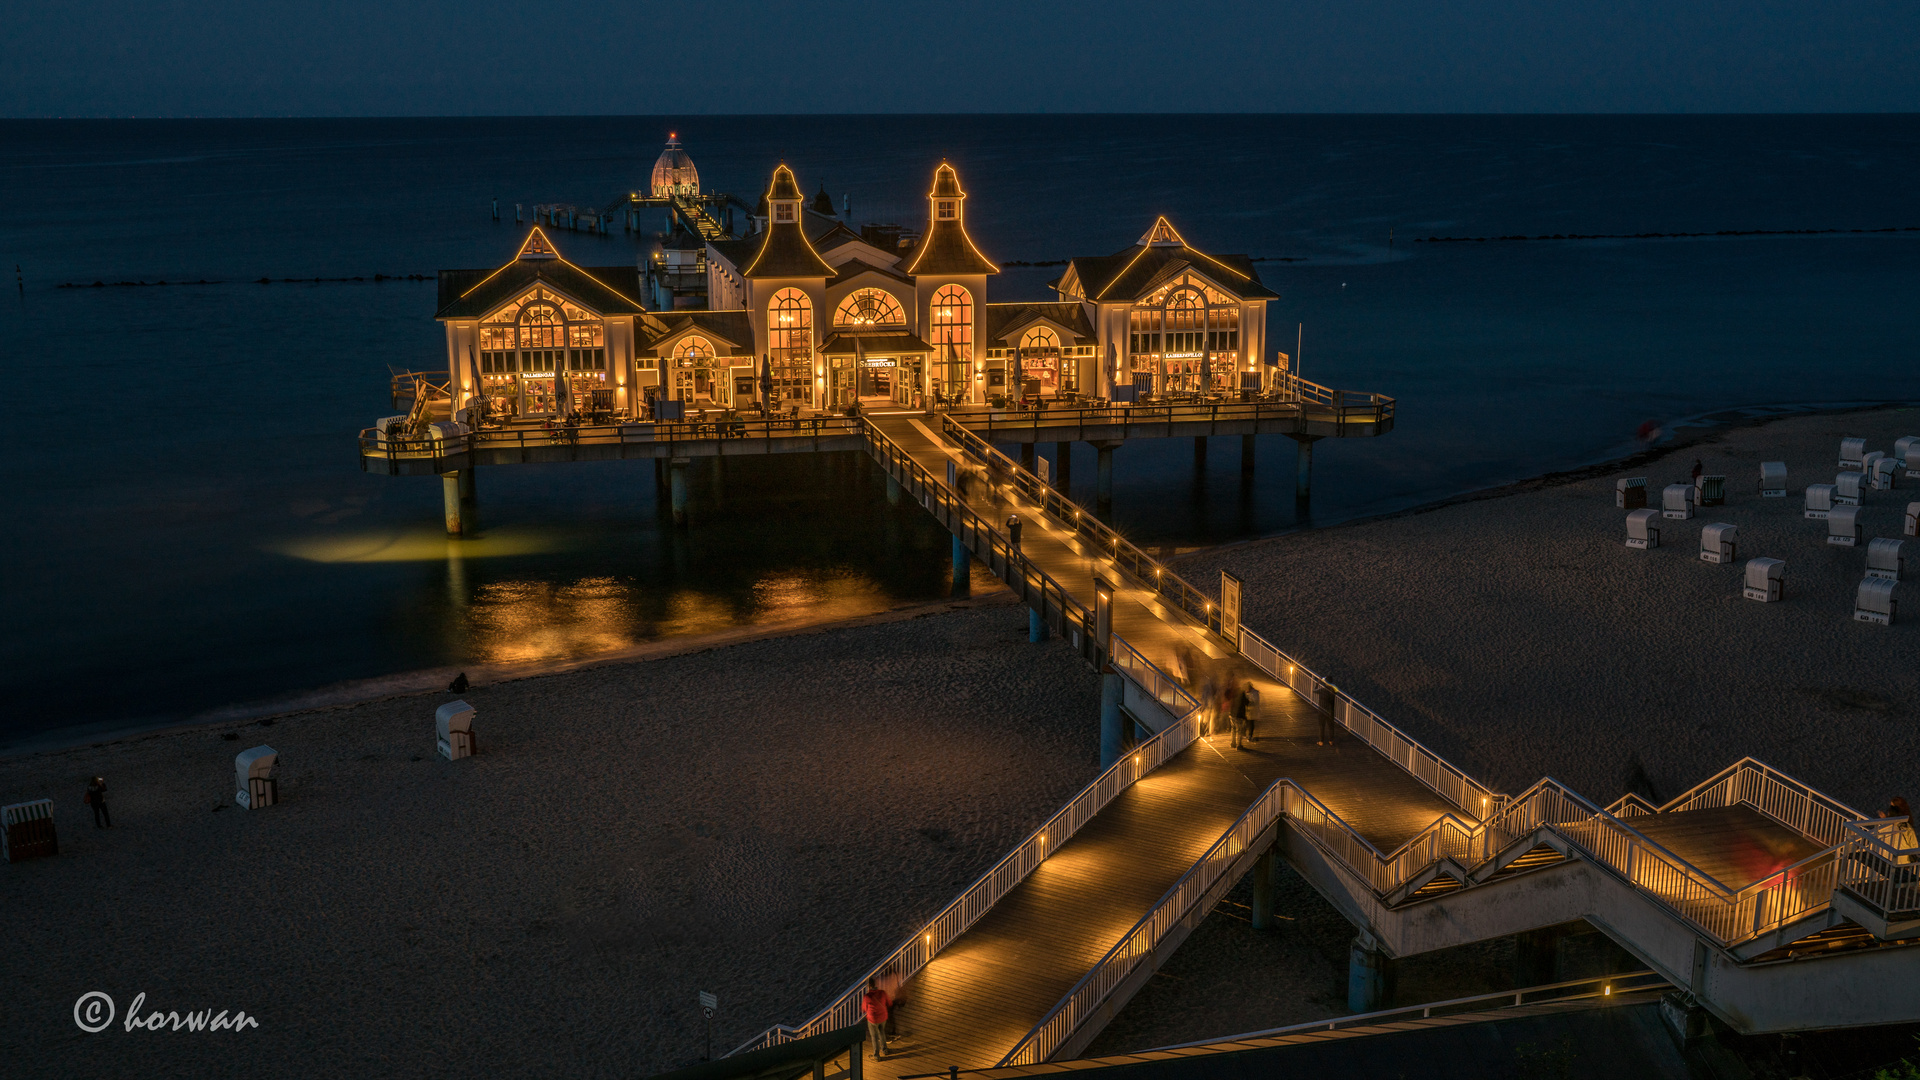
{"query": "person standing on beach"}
pixel 874 1004
pixel 96 797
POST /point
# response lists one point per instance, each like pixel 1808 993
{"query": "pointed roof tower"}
pixel 673 171
pixel 537 246
pixel 1163 234
pixel 786 252
pixel 947 249
pixel 823 203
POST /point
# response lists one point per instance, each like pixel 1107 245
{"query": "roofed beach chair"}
pixel 1851 451
pixel 1643 529
pixel 1819 501
pixel 1884 559
pixel 1630 494
pixel 1676 501
pixel 1843 526
pixel 1874 602
pixel 1709 491
pixel 1912 526
pixel 1717 543
pixel 1907 449
pixel 1766 580
pixel 1884 475
pixel 1867 460
pixel 1847 488
pixel 1773 479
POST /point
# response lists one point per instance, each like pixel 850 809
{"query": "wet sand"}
pixel 1519 637
pixel 764 821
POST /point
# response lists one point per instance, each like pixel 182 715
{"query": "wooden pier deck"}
pixel 985 991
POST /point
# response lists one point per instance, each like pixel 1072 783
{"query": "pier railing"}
pixel 1751 782
pixel 1339 407
pixel 957 917
pixel 375 443
pixel 1878 865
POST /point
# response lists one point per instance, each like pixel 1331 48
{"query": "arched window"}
pixel 790 344
pixel 870 307
pixel 1039 338
pixel 694 351
pixel 1181 328
pixel 543 337
pixel 1040 360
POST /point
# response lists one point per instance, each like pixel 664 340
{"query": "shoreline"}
pixel 423 681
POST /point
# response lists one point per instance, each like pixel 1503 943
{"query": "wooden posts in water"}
pixel 1113 732
pixel 450 491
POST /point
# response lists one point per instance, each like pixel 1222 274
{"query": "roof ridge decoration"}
pixel 537 246
pixel 1162 234
pixel 947 231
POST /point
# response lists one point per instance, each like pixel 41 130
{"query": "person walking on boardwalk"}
pixel 889 983
pixel 1327 727
pixel 874 1004
pixel 96 797
pixel 1251 694
pixel 1237 715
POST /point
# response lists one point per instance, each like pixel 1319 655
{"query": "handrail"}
pixel 1876 865
pixel 1792 803
pixel 1346 408
pixel 374 443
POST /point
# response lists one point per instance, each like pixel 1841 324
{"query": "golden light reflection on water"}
pixel 519 621
pixel 418 545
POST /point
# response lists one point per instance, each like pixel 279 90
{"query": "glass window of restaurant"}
pixel 587 385
pixel 693 363
pixel 1183 329
pixel 790 345
pixel 1040 363
pixel 530 345
pixel 950 332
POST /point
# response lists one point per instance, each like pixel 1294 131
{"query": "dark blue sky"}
pixel 487 57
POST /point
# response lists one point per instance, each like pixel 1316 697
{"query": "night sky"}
pixel 487 57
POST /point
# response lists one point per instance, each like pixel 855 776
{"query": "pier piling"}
pixel 450 485
pixel 1027 455
pixel 1303 484
pixel 1246 455
pixel 1369 975
pixel 1200 451
pixel 1036 626
pixel 893 491
pixel 1063 466
pixel 1263 892
pixel 962 569
pixel 678 482
pixel 1113 732
pixel 1103 482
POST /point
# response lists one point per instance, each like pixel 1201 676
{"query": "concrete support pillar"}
pixel 469 489
pixel 1103 481
pixel 1263 868
pixel 1536 957
pixel 1063 465
pixel 1026 455
pixel 450 495
pixel 1246 455
pixel 893 491
pixel 1036 626
pixel 1303 485
pixel 1113 730
pixel 1369 976
pixel 1199 451
pixel 962 568
pixel 660 479
pixel 678 482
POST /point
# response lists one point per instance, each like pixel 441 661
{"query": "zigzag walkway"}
pixel 976 999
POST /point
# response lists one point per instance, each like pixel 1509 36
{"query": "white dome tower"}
pixel 673 173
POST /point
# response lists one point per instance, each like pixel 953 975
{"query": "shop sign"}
pixel 877 361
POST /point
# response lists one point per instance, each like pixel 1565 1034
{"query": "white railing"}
pixel 1880 866
pixel 1799 807
pixel 1447 780
pixel 940 931
pixel 1158 684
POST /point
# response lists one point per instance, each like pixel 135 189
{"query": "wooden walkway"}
pixel 992 985
pixel 1735 845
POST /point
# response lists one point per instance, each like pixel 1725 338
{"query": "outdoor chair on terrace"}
pixel 1843 526
pixel 1884 559
pixel 1630 494
pixel 1765 580
pixel 1676 501
pixel 1874 602
pixel 1773 479
pixel 1643 530
pixel 1717 543
pixel 1851 452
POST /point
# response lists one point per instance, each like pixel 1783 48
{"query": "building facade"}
pixel 807 312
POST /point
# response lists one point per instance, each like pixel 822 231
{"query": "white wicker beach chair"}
pixel 1884 559
pixel 453 724
pixel 1912 526
pixel 1851 451
pixel 1874 602
pixel 1907 449
pixel 1630 494
pixel 1847 488
pixel 1717 543
pixel 1773 479
pixel 1643 529
pixel 1765 580
pixel 1819 501
pixel 253 777
pixel 1709 491
pixel 1676 501
pixel 1884 474
pixel 1843 526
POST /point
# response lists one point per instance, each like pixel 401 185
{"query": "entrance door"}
pixel 536 395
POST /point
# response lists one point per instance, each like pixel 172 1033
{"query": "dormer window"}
pixel 783 213
pixel 946 209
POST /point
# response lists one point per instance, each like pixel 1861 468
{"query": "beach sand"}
pixel 1519 637
pixel 764 821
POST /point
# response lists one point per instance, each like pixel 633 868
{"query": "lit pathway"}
pixel 989 987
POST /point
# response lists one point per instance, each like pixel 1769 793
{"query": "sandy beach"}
pixel 1519 637
pixel 763 821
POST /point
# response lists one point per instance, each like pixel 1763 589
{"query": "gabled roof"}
pixel 856 266
pixel 998 321
pixel 604 290
pixel 1130 274
pixel 729 328
pixel 947 249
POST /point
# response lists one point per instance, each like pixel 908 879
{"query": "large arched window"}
pixel 543 337
pixel 1040 359
pixel 790 345
pixel 1184 327
pixel 870 307
pixel 950 332
pixel 693 351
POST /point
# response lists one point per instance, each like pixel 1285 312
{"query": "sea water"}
pixel 188 527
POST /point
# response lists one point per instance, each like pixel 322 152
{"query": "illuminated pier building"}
pixel 804 311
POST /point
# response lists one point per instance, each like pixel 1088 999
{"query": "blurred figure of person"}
pixel 1327 728
pixel 873 1003
pixel 1251 696
pixel 1650 432
pixel 1237 715
pixel 1697 470
pixel 889 983
pixel 96 797
pixel 1904 837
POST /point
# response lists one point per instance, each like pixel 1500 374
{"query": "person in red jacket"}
pixel 874 1003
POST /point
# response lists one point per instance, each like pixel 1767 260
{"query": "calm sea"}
pixel 190 528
